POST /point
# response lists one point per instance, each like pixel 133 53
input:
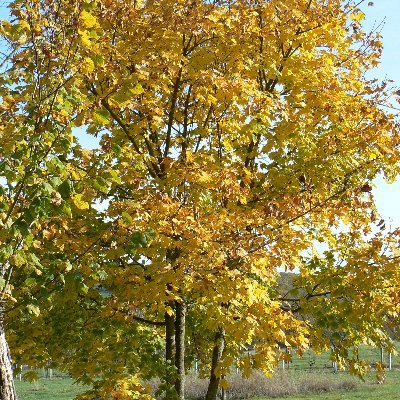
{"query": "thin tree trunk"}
pixel 219 344
pixel 7 389
pixel 169 338
pixel 223 394
pixel 180 349
pixel 170 349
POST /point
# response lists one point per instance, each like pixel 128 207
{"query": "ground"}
pixel 64 389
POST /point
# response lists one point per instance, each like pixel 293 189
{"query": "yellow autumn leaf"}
pixel 85 38
pixel 79 202
pixel 87 20
pixel 33 309
pixel 224 384
pixel 87 65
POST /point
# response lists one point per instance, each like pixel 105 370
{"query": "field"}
pixel 64 389
pixel 57 389
pixel 310 377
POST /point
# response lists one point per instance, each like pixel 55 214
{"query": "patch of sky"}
pixel 387 14
pixel 4 10
pixel 84 139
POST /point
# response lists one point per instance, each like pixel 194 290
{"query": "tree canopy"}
pixel 237 139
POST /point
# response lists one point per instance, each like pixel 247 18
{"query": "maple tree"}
pixel 234 136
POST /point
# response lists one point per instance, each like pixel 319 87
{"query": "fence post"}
pixel 335 367
pixel 382 356
pixel 390 361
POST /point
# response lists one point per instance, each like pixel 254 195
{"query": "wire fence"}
pixel 310 361
pixel 23 372
pixel 313 361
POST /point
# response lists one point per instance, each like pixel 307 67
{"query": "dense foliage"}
pixel 234 137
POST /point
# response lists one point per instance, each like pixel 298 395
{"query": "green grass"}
pixel 368 390
pixel 57 389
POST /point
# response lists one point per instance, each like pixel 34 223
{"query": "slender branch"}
pixel 174 99
pixel 147 321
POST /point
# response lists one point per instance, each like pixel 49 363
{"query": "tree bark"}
pixel 180 321
pixel 219 345
pixel 7 389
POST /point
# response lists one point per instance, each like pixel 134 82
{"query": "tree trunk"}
pixel 219 344
pixel 170 349
pixel 169 338
pixel 180 349
pixel 7 389
pixel 223 394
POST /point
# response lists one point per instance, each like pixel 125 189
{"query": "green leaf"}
pixel 21 228
pixel 6 252
pixel 56 164
pixel 35 260
pixel 47 188
pixel 138 239
pixel 29 217
pixel 55 181
pixel 98 59
pixel 101 117
pixel 101 185
pixel 115 177
pixel 30 281
pixel 66 189
pixel 126 217
pixel 4 168
pixel 83 288
pixel 65 209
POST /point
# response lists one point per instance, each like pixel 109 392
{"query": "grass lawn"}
pixel 368 390
pixel 57 389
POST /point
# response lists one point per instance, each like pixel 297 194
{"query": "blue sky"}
pixel 387 196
